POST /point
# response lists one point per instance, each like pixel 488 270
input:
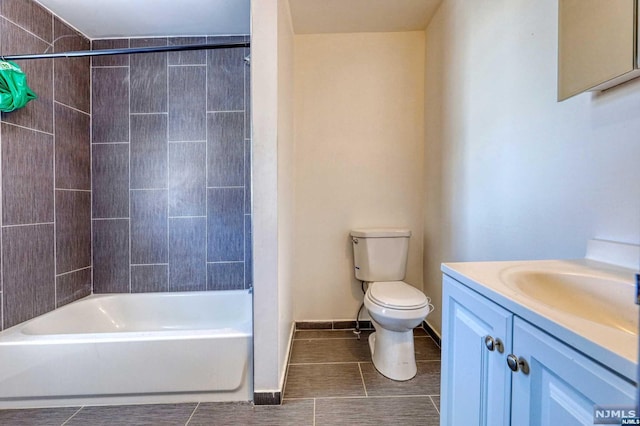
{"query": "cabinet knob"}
pixel 516 364
pixel 493 344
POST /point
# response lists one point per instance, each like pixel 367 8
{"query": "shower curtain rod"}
pixel 126 51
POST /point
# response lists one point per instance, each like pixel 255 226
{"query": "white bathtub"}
pixel 131 348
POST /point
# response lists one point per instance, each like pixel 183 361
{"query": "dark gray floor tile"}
pixel 73 286
pixel 187 103
pixel 149 278
pixel 405 411
pixel 323 380
pixel 138 415
pixel 110 180
pixel 225 276
pixel 426 349
pixel 330 350
pixel 330 334
pixel 314 325
pixel 149 151
pixel 27 176
pixel 36 417
pixel 110 104
pixel 73 148
pixel 426 381
pixel 436 401
pixel 291 413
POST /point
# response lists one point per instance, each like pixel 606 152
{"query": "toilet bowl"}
pixel 395 308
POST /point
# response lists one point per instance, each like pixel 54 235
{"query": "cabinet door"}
pixel 562 386
pixel 475 382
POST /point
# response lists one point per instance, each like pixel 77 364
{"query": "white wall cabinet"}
pixel 596 45
pixel 553 383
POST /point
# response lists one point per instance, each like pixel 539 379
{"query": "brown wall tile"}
pixel 37 114
pixel 225 224
pixel 188 103
pixel 73 148
pixel 110 170
pixel 73 286
pixel 110 94
pixel 111 256
pixel 225 77
pixel 149 278
pixel 149 238
pixel 72 75
pixel 73 230
pixel 29 15
pixel 149 77
pixel 148 151
pixel 28 272
pixel 187 260
pixel 111 60
pixel 225 147
pixel 187 179
pixel 27 176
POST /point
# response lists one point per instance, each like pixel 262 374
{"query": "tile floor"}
pixel 331 381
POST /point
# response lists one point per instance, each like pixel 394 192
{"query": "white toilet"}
pixel 395 307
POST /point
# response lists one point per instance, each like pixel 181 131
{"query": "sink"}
pixel 600 299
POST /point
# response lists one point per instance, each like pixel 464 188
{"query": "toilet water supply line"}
pixel 357 331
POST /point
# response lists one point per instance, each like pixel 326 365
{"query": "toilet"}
pixel 395 307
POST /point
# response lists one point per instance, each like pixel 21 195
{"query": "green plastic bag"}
pixel 14 92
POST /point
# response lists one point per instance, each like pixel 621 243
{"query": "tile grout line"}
pixel 314 412
pixel 72 416
pixel 434 404
pixel 362 378
pixel 192 413
pixel 361 397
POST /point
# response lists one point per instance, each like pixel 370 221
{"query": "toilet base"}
pixel 393 353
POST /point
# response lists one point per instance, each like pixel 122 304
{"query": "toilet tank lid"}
pixel 380 232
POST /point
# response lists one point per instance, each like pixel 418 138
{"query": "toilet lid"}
pixel 396 295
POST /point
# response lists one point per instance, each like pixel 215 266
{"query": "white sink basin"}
pixel 603 300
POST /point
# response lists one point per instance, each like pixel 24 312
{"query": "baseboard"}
pixel 431 332
pixel 267 398
pixel 332 325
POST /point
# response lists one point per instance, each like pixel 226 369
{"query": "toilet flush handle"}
pixel 355 240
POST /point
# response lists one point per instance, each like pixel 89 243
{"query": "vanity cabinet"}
pixel 552 383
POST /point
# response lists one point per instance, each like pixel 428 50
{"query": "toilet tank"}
pixel 380 254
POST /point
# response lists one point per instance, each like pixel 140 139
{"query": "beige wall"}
pixel 359 141
pixel 510 172
pixel 286 168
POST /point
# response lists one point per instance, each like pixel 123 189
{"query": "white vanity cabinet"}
pixel 553 384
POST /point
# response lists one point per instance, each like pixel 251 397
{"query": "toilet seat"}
pixel 396 295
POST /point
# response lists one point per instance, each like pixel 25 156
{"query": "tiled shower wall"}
pixel 171 168
pixel 45 176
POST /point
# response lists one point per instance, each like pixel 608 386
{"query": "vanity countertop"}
pixel 580 302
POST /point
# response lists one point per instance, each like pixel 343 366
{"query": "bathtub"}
pixel 131 348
